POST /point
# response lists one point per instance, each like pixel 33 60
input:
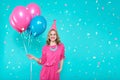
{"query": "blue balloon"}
pixel 37 26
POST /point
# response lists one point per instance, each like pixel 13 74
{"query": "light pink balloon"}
pixel 33 9
pixel 21 17
pixel 15 26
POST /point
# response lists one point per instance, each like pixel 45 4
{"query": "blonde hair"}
pixel 57 39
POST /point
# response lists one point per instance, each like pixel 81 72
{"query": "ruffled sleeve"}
pixel 43 57
pixel 62 56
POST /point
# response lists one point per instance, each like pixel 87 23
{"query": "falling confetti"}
pixel 90 31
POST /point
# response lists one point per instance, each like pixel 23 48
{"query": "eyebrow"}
pixel 54 33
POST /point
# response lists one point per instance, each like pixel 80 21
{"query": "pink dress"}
pixel 51 56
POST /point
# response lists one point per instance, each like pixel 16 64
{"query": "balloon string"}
pixel 24 45
pixel 26 54
pixel 29 40
pixel 31 70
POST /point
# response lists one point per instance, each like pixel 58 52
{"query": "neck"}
pixel 52 43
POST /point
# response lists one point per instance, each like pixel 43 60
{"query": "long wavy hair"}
pixel 57 37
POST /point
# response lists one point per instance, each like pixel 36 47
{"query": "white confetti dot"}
pixel 12 50
pixel 78 24
pixel 67 31
pixel 39 22
pixel 55 3
pixel 48 4
pixel 103 60
pixel 97 8
pixel 69 62
pixel 115 38
pixel 112 57
pixel 18 66
pixel 4 42
pixel 85 23
pixel 34 33
pixel 65 5
pixel 66 11
pixel 74 50
pixel 70 69
pixel 109 42
pixel 61 28
pixel 116 45
pixel 96 1
pixel 6 26
pixel 6 32
pixel 13 67
pixel 9 62
pixel 100 46
pixel 109 2
pixel 96 33
pixel 97 24
pixel 102 8
pixel 74 12
pixel 22 29
pixel 94 57
pixel 80 20
pixel 109 71
pixel 88 34
pixel 86 73
pixel 17 39
pixel 79 70
pixel 60 12
pixel 89 64
pixel 7 67
pixel 113 14
pixel 86 2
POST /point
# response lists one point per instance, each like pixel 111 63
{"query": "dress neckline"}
pixel 53 47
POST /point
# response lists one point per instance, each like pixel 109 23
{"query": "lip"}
pixel 52 37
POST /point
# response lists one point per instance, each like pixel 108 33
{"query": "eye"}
pixel 52 34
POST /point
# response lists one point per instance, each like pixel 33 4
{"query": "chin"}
pixel 52 40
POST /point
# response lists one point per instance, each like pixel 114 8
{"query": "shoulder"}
pixel 44 47
pixel 61 44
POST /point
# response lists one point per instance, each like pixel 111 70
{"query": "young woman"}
pixel 52 56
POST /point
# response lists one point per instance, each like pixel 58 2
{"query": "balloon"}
pixel 14 25
pixel 33 9
pixel 37 26
pixel 21 18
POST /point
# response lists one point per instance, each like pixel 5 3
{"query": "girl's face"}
pixel 52 36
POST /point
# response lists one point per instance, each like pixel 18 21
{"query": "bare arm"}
pixel 61 64
pixel 34 58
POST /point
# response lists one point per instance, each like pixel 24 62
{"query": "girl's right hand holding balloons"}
pixel 30 56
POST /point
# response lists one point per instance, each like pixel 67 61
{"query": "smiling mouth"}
pixel 52 37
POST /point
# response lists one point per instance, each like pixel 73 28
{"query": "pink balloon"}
pixel 33 9
pixel 14 25
pixel 21 17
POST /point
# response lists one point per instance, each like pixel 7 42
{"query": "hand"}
pixel 30 56
pixel 59 70
pixel 39 61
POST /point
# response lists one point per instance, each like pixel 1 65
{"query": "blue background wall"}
pixel 89 29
